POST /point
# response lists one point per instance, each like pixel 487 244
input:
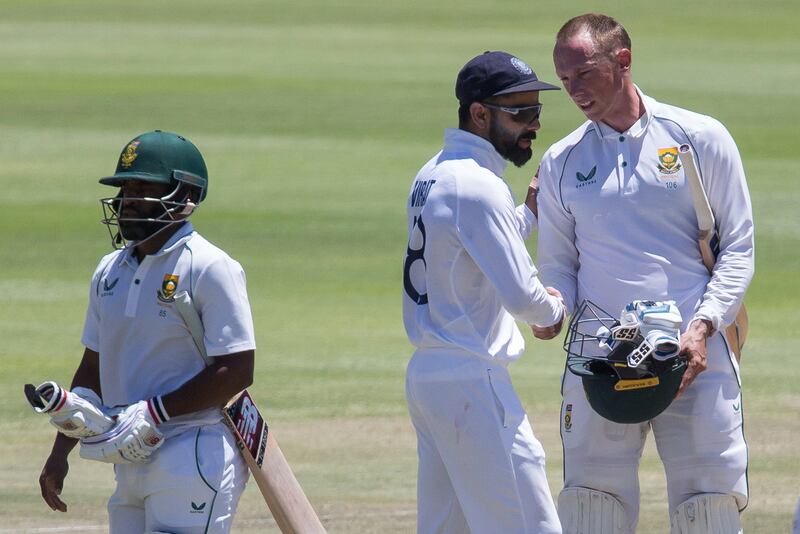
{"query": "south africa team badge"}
pixel 568 418
pixel 129 155
pixel 668 160
pixel 168 288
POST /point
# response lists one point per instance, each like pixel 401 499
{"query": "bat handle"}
pixel 34 397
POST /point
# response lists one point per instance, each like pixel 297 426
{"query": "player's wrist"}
pixel 158 413
pixel 703 327
pixel 531 200
pixel 62 446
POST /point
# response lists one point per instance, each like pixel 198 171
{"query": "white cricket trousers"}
pixel 699 437
pixel 191 485
pixel 481 469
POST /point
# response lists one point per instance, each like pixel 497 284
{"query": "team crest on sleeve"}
pixel 668 160
pixel 129 155
pixel 568 418
pixel 168 288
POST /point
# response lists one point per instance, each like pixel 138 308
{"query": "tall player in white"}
pixel 177 467
pixel 467 277
pixel 616 223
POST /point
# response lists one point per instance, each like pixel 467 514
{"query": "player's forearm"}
pixel 213 386
pixel 541 308
pixel 730 279
pixel 63 445
pixel 88 373
pixel 527 221
pixel 528 212
pixel 557 254
pixel 729 199
pixel 531 199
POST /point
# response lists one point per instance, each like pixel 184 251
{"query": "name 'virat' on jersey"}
pixel 620 202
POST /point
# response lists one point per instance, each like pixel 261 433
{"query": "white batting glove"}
pixel 658 323
pixel 77 414
pixel 133 439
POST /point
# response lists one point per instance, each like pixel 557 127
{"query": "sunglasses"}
pixel 520 114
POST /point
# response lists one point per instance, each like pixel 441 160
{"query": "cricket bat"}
pixel 286 500
pixel 736 333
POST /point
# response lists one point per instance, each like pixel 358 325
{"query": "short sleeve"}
pixel 90 338
pixel 221 296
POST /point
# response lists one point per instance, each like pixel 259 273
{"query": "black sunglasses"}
pixel 520 114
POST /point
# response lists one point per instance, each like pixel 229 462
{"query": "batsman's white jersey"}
pixel 616 224
pixel 145 348
pixel 467 276
pixel 617 221
pixel 467 273
pixel 195 479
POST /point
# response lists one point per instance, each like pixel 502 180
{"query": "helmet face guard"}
pixel 630 368
pixel 175 207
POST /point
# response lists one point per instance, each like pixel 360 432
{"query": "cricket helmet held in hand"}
pixel 630 367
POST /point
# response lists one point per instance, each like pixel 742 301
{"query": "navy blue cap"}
pixel 496 73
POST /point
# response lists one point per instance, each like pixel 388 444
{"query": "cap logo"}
pixel 521 66
pixel 128 155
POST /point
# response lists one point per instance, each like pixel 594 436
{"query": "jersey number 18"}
pixel 412 255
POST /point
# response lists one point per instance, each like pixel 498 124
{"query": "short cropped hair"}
pixel 463 116
pixel 605 32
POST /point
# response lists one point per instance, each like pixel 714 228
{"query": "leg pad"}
pixel 587 511
pixel 707 513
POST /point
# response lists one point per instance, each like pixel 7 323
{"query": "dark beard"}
pixel 138 230
pixel 506 144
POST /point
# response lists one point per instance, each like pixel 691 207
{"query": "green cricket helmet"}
pixel 630 368
pixel 157 157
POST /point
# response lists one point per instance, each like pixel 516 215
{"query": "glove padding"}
pixel 78 413
pixel 132 440
pixel 659 324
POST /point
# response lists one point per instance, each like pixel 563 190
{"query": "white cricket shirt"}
pixel 467 274
pixel 145 348
pixel 617 223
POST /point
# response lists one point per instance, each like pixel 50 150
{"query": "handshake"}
pixel 549 332
pixel 114 435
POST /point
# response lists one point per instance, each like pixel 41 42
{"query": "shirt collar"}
pixel 478 148
pixel 637 129
pixel 177 240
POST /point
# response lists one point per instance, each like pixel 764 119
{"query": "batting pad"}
pixel 583 510
pixel 707 513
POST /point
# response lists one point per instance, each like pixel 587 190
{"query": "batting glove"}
pixel 133 439
pixel 77 414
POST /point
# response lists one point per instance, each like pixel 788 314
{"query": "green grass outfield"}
pixel 313 118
